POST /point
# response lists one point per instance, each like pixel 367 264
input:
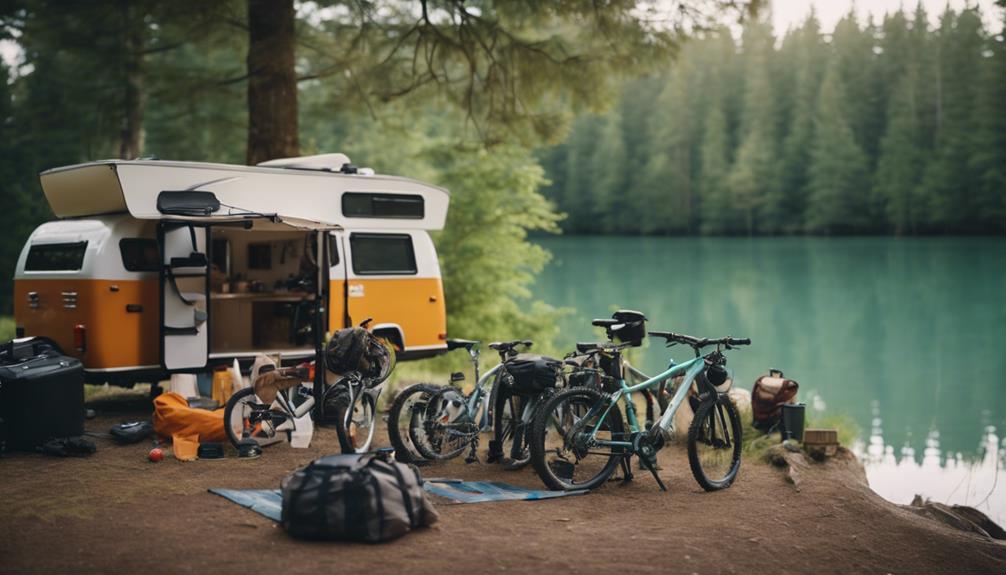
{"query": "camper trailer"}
pixel 155 267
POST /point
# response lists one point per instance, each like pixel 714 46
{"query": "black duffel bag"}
pixel 532 374
pixel 355 497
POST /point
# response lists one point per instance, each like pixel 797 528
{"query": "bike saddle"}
pixel 468 344
pixel 585 346
pixel 509 345
pixel 605 322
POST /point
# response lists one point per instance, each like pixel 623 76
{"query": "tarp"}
pixel 269 502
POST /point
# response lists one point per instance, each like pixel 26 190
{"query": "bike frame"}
pixel 691 369
pixel 480 392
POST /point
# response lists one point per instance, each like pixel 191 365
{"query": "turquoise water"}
pixel 912 331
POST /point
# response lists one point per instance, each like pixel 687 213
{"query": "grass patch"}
pixel 7 327
pixel 755 443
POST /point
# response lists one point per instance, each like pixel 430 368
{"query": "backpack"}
pixel 359 497
pixel 532 374
pixel 770 393
pixel 356 349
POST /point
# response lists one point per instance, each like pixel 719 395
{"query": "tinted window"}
pixel 139 254
pixel 333 251
pixel 357 205
pixel 55 257
pixel 382 254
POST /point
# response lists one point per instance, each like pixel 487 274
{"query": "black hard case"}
pixel 41 394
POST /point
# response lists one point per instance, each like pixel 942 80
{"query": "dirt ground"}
pixel 114 512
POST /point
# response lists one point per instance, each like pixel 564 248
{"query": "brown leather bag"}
pixel 768 396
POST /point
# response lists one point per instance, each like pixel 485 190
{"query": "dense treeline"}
pixel 897 127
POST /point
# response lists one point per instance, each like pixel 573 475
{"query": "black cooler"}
pixel 41 394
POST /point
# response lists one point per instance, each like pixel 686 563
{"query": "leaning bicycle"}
pixel 357 363
pixel 433 422
pixel 579 437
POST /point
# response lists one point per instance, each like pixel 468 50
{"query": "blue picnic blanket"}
pixel 269 502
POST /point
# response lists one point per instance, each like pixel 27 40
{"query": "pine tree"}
pixel 988 160
pixel 837 200
pixel 805 52
pixel 754 191
pixel 611 203
pixel 951 190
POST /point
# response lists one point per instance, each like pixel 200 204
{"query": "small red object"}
pixel 156 454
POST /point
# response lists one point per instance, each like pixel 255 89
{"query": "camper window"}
pixel 376 254
pixel 139 254
pixel 406 206
pixel 67 257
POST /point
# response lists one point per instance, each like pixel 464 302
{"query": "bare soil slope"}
pixel 116 513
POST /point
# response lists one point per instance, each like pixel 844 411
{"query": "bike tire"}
pixel 341 406
pixel 239 397
pixel 539 432
pixel 721 414
pixel 405 450
pixel 513 438
pixel 421 441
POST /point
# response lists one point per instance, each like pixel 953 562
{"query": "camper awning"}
pixel 313 199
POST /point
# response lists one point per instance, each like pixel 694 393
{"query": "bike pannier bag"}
pixel 356 349
pixel 532 374
pixel 41 394
pixel 770 393
pixel 355 497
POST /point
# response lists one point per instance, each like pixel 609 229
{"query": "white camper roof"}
pixel 305 192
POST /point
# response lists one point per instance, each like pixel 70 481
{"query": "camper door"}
pixel 184 294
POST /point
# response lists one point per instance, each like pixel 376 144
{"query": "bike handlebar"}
pixel 699 342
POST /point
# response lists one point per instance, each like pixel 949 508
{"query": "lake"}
pixel 905 336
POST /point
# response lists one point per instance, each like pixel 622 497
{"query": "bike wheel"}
pixel 355 424
pixel 512 429
pixel 444 428
pixel 402 416
pixel 562 452
pixel 240 414
pixel 714 444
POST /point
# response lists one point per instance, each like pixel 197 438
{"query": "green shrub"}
pixel 7 327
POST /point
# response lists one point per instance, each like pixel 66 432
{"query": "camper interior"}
pixel 263 286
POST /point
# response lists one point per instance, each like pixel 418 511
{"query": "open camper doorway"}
pixel 266 290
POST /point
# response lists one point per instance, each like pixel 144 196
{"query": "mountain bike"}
pixel 437 423
pixel 579 437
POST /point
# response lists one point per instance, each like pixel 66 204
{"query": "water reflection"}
pixel 945 477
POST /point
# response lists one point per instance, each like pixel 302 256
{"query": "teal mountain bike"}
pixel 579 436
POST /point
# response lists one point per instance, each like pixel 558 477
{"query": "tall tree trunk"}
pixel 134 101
pixel 272 81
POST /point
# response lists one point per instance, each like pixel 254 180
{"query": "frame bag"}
pixel 532 374
pixel 358 497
